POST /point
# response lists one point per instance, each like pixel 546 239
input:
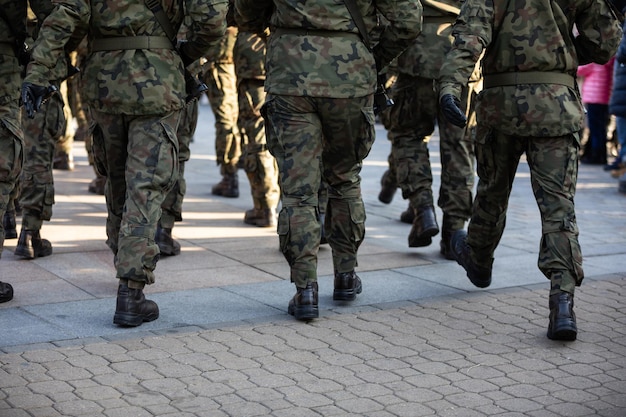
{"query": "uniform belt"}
pixel 7 49
pixel 311 32
pixel 531 77
pixel 131 42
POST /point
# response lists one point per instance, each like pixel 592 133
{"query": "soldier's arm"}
pixel 206 26
pixel 599 33
pixel 56 31
pixel 472 34
pixel 405 24
pixel 253 15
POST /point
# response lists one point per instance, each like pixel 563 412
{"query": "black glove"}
pixel 451 110
pixel 32 97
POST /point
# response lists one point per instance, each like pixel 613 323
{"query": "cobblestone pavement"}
pixel 476 354
pixel 419 341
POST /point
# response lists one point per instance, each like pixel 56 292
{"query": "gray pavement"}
pixel 419 341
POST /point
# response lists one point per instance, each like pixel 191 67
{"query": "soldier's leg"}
pixel 63 155
pixel 294 137
pixel 412 121
pixel 37 193
pixel 221 80
pixel 11 159
pixel 348 137
pixel 497 158
pixel 553 166
pixel 259 164
pixel 457 172
pixel 172 207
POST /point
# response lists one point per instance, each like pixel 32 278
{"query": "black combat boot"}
pixel 445 246
pixel 347 286
pixel 479 276
pixel 6 292
pixel 30 245
pixel 9 224
pixel 227 187
pixel 260 217
pixel 303 305
pixel 408 215
pixel 388 188
pixel 562 318
pixel 132 307
pixel 424 227
pixel 167 245
pixel 96 186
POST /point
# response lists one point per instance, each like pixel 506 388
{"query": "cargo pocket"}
pixel 284 235
pixel 11 162
pixel 357 215
pixel 367 134
pixel 485 158
pixel 48 202
pixel 98 151
pixel 166 168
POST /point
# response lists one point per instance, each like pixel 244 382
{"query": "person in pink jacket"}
pixel 597 84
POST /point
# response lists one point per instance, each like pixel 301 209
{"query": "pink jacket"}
pixel 597 82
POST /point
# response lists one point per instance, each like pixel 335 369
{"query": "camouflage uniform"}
pixel 12 24
pixel 530 104
pixel 259 164
pixel 412 121
pixel 320 80
pixel 219 76
pixel 135 88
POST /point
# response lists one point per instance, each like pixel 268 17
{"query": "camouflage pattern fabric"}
pixel 259 164
pixel 172 207
pixel 138 155
pixel 541 119
pixel 129 81
pixel 296 126
pixel 42 135
pixel 219 76
pixel 411 121
pixel 320 79
pixel 11 134
pixel 135 97
pixel 37 183
pixel 331 61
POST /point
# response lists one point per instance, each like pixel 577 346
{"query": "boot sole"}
pixel 564 331
pixel 24 253
pixel 347 295
pixel 307 312
pixel 133 320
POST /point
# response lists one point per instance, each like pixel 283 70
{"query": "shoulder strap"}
pixel 358 21
pixel 161 17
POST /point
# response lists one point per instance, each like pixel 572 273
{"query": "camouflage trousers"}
pixel 411 122
pixel 553 163
pixel 139 157
pixel 11 157
pixel 314 139
pixel 259 164
pixel 222 95
pixel 37 184
pixel 172 207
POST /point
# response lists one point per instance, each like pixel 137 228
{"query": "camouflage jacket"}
pixel 425 55
pixel 13 20
pixel 128 81
pixel 529 39
pixel 330 60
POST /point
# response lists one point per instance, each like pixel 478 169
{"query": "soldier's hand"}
pixel 450 107
pixel 32 97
